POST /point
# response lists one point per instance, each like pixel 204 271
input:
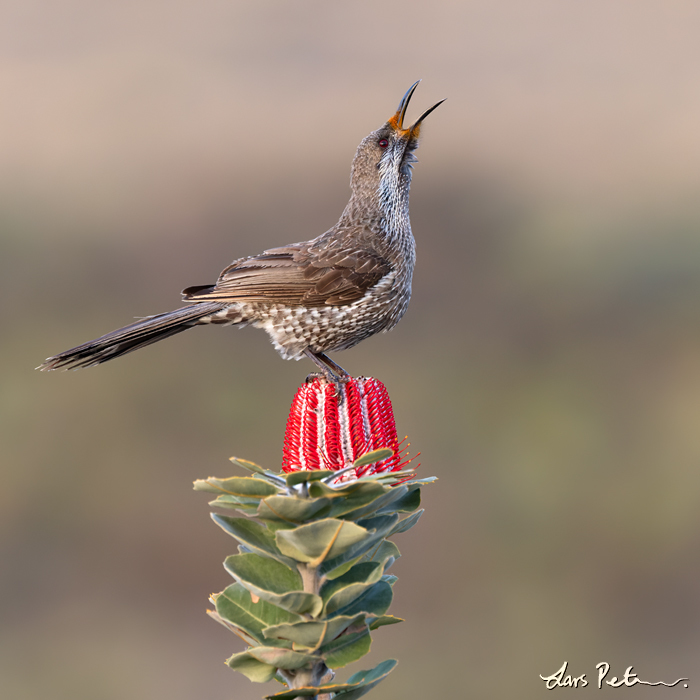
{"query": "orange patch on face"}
pixel 394 122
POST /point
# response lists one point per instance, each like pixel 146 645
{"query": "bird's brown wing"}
pixel 297 276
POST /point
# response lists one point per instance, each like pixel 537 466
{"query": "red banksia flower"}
pixel 330 426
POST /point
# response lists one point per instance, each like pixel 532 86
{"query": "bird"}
pixel 317 296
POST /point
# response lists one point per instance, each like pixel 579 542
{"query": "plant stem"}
pixel 310 578
pixel 319 673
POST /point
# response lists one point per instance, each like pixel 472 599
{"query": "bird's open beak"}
pixel 397 120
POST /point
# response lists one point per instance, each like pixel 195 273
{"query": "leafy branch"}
pixel 311 580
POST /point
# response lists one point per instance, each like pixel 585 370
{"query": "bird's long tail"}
pixel 132 337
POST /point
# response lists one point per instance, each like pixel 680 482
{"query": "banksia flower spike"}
pixel 310 575
pixel 331 426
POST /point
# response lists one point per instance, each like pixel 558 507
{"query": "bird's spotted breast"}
pixel 325 329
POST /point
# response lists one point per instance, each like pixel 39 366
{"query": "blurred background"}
pixel 548 368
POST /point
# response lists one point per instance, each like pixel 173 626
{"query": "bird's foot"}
pixel 329 377
pixel 330 371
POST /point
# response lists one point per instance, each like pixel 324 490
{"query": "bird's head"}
pixel 383 162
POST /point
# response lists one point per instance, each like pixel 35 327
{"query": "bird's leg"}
pixel 335 367
pixel 332 371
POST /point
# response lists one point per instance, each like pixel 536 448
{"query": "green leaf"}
pixel 264 573
pixel 365 572
pixel 357 489
pixel 347 648
pixel 374 456
pixel 380 525
pixel 204 485
pixel 340 592
pixel 390 579
pixel 360 682
pixel 235 605
pixel 342 569
pixel 312 633
pixel 251 668
pixel 251 534
pixel 405 503
pixel 246 486
pixel 319 489
pixel 274 582
pixel 406 523
pixel 377 622
pixel 249 466
pixel 386 554
pixel 293 509
pixel 305 692
pixel 344 597
pixel 240 633
pixel 248 506
pixel 274 478
pixel 294 478
pixel 389 477
pixel 281 658
pixel 424 481
pixel 388 495
pixel 378 673
pixel 375 600
pixel 323 539
pixel 364 681
pixel 274 525
pixel 361 498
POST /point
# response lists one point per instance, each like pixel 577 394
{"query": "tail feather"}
pixel 136 335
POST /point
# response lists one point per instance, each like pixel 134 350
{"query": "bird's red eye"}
pixel 383 143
